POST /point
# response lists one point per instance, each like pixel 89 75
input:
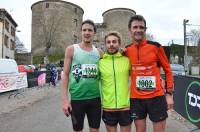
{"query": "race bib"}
pixel 147 83
pixel 89 70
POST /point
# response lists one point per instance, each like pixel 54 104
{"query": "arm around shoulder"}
pixel 101 52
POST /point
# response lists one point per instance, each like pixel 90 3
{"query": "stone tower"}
pixel 56 23
pixel 117 19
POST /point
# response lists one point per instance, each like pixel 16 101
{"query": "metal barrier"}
pixel 32 77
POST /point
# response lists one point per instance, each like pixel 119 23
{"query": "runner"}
pixel 81 76
pixel 147 94
pixel 114 69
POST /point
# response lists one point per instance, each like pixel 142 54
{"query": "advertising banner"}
pixel 187 98
pixel 41 79
pixel 34 78
pixel 7 82
pixel 12 81
pixel 21 81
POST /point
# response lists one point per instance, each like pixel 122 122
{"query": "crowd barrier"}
pixel 12 81
pixel 187 98
pixel 16 81
pixel 39 78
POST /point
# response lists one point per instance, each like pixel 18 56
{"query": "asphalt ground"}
pixel 39 109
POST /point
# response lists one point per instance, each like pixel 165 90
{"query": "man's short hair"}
pixel 90 22
pixel 113 33
pixel 136 18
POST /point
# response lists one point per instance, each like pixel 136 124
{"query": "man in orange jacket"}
pixel 148 97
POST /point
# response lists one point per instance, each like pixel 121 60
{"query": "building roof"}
pixel 57 1
pixel 116 9
pixel 4 13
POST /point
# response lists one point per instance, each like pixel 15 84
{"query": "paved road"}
pixel 45 115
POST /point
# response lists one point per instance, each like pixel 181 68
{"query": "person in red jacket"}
pixel 147 96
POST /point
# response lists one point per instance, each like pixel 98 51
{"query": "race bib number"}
pixel 89 70
pixel 146 83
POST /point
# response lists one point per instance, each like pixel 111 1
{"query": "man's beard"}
pixel 139 37
pixel 112 52
pixel 88 41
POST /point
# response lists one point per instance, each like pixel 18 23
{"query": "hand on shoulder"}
pixel 101 52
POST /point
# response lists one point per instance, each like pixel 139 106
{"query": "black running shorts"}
pixel 112 118
pixel 155 107
pixel 91 108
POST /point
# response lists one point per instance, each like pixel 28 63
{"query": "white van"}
pixel 8 66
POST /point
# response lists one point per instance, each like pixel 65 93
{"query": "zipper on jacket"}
pixel 114 82
pixel 138 55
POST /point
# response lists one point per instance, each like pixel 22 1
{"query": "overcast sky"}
pixel 164 18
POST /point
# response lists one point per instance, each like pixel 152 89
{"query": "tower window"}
pixel 47 5
pixel 75 10
pixel 76 22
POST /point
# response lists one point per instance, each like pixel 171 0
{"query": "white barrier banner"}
pixel 21 80
pixel 13 81
pixel 7 82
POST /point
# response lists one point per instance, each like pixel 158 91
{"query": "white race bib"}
pixel 146 83
pixel 89 70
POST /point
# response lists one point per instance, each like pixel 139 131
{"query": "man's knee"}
pixel 94 130
pixel 159 126
pixel 140 125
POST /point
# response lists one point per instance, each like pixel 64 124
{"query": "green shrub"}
pixel 38 60
pixel 55 57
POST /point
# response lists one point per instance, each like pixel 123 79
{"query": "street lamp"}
pixel 185 21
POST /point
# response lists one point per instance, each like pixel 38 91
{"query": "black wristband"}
pixel 170 93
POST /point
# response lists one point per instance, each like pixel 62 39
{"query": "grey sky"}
pixel 164 18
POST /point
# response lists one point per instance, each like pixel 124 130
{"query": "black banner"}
pixel 32 77
pixel 187 98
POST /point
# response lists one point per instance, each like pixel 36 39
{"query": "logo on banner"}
pixel 192 102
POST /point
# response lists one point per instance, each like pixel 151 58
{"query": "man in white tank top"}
pixel 81 76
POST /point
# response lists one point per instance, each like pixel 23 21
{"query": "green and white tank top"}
pixel 84 75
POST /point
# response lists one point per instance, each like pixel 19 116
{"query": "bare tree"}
pixel 195 40
pixel 150 36
pixel 19 46
pixel 195 37
pixel 50 24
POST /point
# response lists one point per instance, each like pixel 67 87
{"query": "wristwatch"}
pixel 169 92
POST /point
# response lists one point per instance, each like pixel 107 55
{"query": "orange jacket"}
pixel 146 59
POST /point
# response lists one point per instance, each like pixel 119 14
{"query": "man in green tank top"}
pixel 114 69
pixel 81 79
